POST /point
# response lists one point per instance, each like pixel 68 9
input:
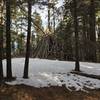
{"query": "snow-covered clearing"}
pixel 45 73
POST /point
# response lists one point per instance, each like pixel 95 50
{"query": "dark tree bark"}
pixel 92 31
pixel 77 66
pixel 54 19
pixel 49 15
pixel 84 38
pixel 1 65
pixel 1 44
pixel 8 39
pixel 28 41
pixel 1 52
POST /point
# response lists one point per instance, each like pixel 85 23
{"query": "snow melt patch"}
pixel 45 73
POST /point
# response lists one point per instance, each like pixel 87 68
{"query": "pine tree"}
pixel 1 53
pixel 28 41
pixel 92 30
pixel 8 39
pixel 77 66
pixel 1 42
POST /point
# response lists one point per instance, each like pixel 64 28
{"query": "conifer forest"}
pixel 49 49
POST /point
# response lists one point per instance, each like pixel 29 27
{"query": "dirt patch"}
pixel 23 92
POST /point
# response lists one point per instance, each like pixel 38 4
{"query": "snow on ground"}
pixel 45 73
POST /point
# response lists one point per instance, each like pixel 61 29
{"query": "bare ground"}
pixel 23 92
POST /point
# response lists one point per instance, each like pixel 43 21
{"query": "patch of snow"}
pixel 45 73
pixel 90 68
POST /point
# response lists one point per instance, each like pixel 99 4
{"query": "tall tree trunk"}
pixel 1 42
pixel 92 30
pixel 77 66
pixel 84 38
pixel 8 39
pixel 49 15
pixel 28 41
pixel 54 19
pixel 1 53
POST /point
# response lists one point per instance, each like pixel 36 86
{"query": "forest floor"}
pixel 23 92
pixel 52 80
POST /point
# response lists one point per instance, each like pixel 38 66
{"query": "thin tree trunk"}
pixel 1 42
pixel 1 53
pixel 77 66
pixel 84 38
pixel 8 39
pixel 54 19
pixel 28 41
pixel 92 30
pixel 49 15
